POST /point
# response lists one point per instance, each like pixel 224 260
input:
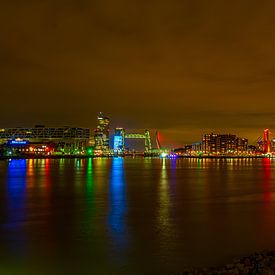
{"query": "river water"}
pixel 133 216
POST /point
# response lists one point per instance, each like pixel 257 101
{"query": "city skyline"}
pixel 165 141
pixel 103 137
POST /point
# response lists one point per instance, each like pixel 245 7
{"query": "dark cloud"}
pixel 180 66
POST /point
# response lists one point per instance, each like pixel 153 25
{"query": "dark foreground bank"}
pixel 258 263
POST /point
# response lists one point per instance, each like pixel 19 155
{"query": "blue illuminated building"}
pixel 119 140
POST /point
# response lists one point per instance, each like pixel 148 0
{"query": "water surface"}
pixel 132 216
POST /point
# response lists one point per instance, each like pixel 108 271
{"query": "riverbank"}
pixel 258 263
pixel 46 157
pixel 225 157
pixel 86 157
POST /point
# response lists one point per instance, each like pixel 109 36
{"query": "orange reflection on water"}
pixel 164 197
pixel 267 179
pixel 165 224
pixel 30 173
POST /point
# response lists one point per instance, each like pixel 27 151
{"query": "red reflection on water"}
pixel 47 175
pixel 267 179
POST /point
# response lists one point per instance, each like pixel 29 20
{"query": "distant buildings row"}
pixel 46 141
pixel 54 141
pixel 216 144
pixel 41 140
pixel 228 144
pixel 102 139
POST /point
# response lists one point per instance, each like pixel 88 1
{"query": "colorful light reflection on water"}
pixel 130 216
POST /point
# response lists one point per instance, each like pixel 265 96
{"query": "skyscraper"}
pixel 102 139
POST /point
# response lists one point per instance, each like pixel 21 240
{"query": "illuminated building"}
pixel 183 151
pixel 226 144
pixel 193 149
pixel 101 135
pixel 223 144
pixel 196 147
pixel 119 141
pixel 241 145
pixel 65 140
pixel 35 149
pixel 272 145
pixel 19 147
pixel 252 149
pixel 209 143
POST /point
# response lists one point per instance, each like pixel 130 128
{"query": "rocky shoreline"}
pixel 258 263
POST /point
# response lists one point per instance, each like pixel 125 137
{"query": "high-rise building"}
pixel 102 138
pixel 209 143
pixel 119 141
pixel 226 143
pixel 242 145
pixel 223 144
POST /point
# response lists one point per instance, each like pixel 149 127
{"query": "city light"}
pixel 17 142
pixel 164 155
pixel 66 141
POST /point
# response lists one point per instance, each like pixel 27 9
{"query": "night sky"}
pixel 182 67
